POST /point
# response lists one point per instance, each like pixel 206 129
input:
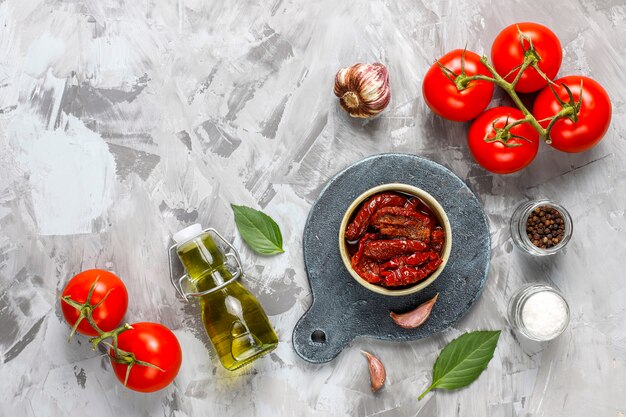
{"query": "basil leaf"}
pixel 462 361
pixel 258 230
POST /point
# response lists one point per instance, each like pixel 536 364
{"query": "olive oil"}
pixel 233 318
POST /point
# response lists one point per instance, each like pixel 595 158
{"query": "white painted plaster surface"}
pixel 123 121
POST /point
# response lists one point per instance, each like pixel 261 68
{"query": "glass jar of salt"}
pixel 539 312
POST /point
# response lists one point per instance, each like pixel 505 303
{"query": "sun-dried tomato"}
pixel 402 222
pixel 437 238
pixel 384 250
pixel 416 259
pixel 366 268
pixel 407 275
pixel 418 205
pixel 363 218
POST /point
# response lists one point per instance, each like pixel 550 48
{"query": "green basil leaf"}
pixel 258 230
pixel 461 362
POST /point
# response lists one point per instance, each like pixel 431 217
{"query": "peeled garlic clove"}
pixel 363 89
pixel 414 318
pixel 377 371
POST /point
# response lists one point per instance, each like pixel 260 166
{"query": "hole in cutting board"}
pixel 318 336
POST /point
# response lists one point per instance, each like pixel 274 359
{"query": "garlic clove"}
pixel 416 317
pixel 378 375
pixel 363 89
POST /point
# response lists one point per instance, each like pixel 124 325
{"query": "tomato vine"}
pixel 86 310
pixel 569 109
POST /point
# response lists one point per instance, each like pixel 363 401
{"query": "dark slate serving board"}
pixel 342 309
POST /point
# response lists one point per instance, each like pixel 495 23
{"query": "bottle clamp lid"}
pixel 187 233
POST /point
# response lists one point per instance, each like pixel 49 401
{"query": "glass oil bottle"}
pixel 233 318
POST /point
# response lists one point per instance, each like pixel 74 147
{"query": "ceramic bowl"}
pixel 436 209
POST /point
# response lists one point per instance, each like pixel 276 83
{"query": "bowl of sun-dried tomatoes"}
pixel 395 239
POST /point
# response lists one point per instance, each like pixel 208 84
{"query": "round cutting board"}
pixel 342 309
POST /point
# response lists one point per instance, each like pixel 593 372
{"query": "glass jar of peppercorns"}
pixel 541 227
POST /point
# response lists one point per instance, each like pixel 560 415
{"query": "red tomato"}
pixel 507 53
pixel 109 314
pixel 496 156
pixel 594 116
pixel 152 343
pixel 443 96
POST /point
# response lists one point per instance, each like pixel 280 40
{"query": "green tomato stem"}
pixel 565 112
pixel 510 89
pixel 85 309
pixel 113 334
pixel 530 60
pixel 128 359
pixel 510 126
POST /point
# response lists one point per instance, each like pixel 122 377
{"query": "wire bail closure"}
pixel 236 270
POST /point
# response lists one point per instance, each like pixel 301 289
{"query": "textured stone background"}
pixel 123 121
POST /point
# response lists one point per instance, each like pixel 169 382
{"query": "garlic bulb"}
pixel 363 89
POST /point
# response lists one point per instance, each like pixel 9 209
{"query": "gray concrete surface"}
pixel 123 121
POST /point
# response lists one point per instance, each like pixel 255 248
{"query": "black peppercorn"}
pixel 545 227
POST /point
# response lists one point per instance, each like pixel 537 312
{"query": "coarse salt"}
pixel 544 315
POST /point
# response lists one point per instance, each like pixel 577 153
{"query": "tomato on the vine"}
pixel 507 53
pixel 109 313
pixel 592 120
pixel 152 343
pixel 442 94
pixel 508 153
